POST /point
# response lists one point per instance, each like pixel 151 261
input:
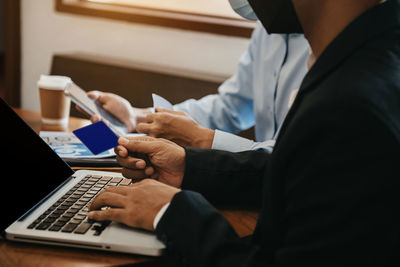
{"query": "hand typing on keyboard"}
pixel 135 205
pixel 69 213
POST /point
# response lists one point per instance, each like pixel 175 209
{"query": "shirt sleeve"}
pixel 224 141
pixel 230 110
pixel 159 215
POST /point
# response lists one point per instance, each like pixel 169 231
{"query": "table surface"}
pixel 24 254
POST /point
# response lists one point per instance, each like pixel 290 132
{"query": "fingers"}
pixel 133 167
pixel 131 162
pixel 115 214
pixel 107 199
pixel 100 97
pixel 113 197
pixel 94 94
pixel 150 171
pixel 122 190
pixel 144 145
pixel 150 117
pixel 174 112
pixel 121 151
pixel 95 118
pixel 143 128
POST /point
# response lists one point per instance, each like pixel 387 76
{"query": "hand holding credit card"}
pixel 98 137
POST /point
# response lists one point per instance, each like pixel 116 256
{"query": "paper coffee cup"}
pixel 54 104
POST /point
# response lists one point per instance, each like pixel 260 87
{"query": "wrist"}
pixel 204 139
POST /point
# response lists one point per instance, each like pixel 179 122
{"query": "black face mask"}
pixel 277 16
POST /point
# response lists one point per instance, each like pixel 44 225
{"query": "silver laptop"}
pixel 45 201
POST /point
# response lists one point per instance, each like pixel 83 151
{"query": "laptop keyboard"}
pixel 69 213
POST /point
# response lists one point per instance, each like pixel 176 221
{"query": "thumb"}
pixel 143 144
pixel 94 94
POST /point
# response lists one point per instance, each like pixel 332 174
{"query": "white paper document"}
pixel 159 101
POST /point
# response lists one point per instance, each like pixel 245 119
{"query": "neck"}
pixel 322 21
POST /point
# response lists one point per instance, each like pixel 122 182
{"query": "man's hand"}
pixel 178 127
pixel 120 108
pixel 167 159
pixel 136 205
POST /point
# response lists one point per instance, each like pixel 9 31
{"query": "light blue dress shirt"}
pixel 269 73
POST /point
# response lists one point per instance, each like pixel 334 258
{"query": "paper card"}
pixel 159 101
pixel 97 137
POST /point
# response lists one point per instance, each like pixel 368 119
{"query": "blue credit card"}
pixel 97 137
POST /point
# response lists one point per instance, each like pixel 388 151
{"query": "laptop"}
pixel 44 201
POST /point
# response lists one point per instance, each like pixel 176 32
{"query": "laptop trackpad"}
pixel 118 234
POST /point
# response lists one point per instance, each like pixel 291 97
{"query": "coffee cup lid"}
pixel 53 82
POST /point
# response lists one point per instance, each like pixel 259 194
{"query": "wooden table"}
pixel 23 254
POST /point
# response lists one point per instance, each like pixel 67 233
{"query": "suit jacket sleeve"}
pixel 226 178
pixel 340 197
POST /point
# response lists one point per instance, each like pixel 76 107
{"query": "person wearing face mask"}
pixel 259 94
pixel 328 193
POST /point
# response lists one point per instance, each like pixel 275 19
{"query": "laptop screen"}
pixel 30 168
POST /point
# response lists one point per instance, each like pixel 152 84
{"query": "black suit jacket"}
pixel 330 191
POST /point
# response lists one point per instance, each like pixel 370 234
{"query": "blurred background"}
pixel 176 48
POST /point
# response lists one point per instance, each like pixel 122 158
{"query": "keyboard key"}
pixel 73 220
pixel 125 182
pixel 55 228
pixel 47 212
pixel 64 207
pixel 69 228
pixel 80 217
pixel 83 228
pixel 64 219
pixel 100 229
pixel 80 191
pixel 43 226
pixel 58 211
pixel 32 225
pixel 97 187
pixel 74 210
pixel 54 215
pixel 59 223
pixel 38 220
pixel 106 178
pixel 116 180
pixel 68 215
pixel 49 220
